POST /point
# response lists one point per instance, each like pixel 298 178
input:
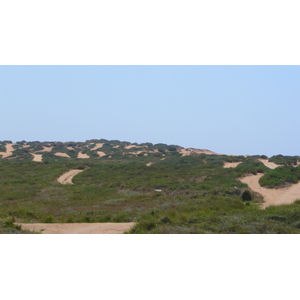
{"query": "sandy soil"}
pixel 67 177
pixel 9 150
pixel 132 146
pixel 231 164
pixel 82 155
pixel 100 153
pixel 268 164
pixel 281 196
pixel 192 151
pixel 149 164
pixel 37 157
pixel 62 154
pixel 79 228
pixel 70 148
pixel 98 145
pixel 117 146
pixel 46 149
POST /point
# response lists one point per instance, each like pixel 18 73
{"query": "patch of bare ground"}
pixel 82 155
pixel 9 150
pixel 98 145
pixel 286 195
pixel 192 151
pixel 131 146
pixel 46 149
pixel 269 164
pixel 61 154
pixel 37 157
pixel 79 228
pixel 149 164
pixel 231 164
pixel 100 153
pixel 67 177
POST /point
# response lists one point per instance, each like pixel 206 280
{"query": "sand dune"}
pixel 37 157
pixel 67 177
pixel 9 150
pixel 79 228
pixel 82 155
pixel 280 196
pixel 269 164
pixel 100 153
pixel 98 145
pixel 132 146
pixel 231 164
pixel 62 154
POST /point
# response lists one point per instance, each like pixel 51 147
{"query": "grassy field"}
pixel 190 194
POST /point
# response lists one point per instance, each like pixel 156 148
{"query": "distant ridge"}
pixel 91 149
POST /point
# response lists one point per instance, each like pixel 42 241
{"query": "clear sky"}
pixel 226 109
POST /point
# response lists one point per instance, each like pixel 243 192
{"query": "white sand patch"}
pixel 268 164
pixel 117 146
pixel 135 152
pixel 67 177
pixel 70 148
pixel 79 228
pixel 25 146
pixel 100 153
pixel 280 196
pixel 192 151
pixel 231 164
pixel 82 155
pixel 98 145
pixel 37 157
pixel 149 164
pixel 61 154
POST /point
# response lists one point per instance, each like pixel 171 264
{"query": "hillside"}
pixel 161 188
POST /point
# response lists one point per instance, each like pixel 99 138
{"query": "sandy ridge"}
pixel 9 150
pixel 79 228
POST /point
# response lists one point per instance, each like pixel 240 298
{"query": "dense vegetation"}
pixel 190 194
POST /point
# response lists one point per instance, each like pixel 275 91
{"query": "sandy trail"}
pixel 231 164
pixel 9 150
pixel 269 164
pixel 281 196
pixel 37 157
pixel 67 177
pixel 79 228
pixel 98 145
pixel 82 155
pixel 61 154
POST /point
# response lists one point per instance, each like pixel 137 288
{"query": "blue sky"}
pixel 226 109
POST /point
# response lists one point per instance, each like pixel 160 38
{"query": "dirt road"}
pixel 79 228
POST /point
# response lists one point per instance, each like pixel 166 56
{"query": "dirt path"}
pixel 79 228
pixel 67 177
pixel 281 196
pixel 37 157
pixel 231 164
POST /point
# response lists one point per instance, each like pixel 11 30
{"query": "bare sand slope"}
pixel 269 164
pixel 281 196
pixel 98 145
pixel 231 164
pixel 132 146
pixel 9 150
pixel 61 154
pixel 79 228
pixel 67 177
pixel 37 157
pixel 100 153
pixel 82 155
pixel 149 164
